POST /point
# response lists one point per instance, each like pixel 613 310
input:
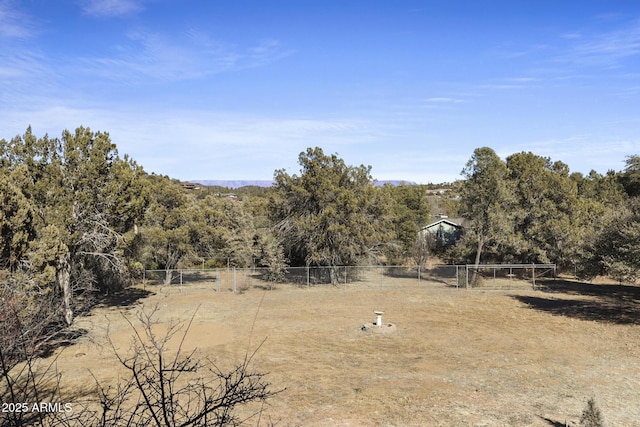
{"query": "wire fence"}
pixel 237 280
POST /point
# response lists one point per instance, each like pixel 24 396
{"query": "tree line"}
pixel 530 209
pixel 78 219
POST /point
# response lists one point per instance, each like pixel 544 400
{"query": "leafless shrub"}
pixel 176 390
pixel 161 388
pixel 29 330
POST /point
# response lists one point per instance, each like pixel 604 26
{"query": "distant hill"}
pixel 232 183
pixel 267 183
pixel 395 182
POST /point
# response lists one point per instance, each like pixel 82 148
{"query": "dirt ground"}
pixel 457 357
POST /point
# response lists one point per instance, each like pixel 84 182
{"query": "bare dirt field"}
pixel 458 357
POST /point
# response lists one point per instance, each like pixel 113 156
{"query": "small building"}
pixel 445 230
pixel 190 186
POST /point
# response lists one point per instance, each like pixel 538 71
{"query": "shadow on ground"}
pixel 555 423
pixel 618 304
pixel 60 335
pixel 123 298
pixel 88 301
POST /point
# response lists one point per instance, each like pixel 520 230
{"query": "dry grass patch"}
pixel 457 358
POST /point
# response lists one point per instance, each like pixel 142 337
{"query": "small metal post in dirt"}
pixel 308 277
pixel 180 281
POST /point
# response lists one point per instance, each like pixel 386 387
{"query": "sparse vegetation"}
pixel 460 357
pixel 77 220
pixel 591 415
pixel 164 385
pixel 167 388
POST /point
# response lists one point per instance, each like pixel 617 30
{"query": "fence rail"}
pixel 488 276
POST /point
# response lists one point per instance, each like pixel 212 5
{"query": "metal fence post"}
pixel 467 283
pixel 365 275
pixel 234 280
pixel 534 276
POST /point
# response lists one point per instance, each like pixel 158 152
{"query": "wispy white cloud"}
pixel 261 53
pixel 14 23
pixel 197 144
pixel 571 35
pixel 523 79
pixel 195 55
pixel 25 76
pixel 111 8
pixel 444 100
pixel 609 17
pixel 192 144
pixel 581 152
pixel 615 45
pixel 511 83
pixel 504 86
pixel 415 109
pixel 608 49
pixel 264 52
pixel 512 51
pixel 576 52
pixel 440 163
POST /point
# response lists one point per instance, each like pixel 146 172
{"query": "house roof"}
pixel 446 221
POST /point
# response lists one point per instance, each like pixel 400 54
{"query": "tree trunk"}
pixel 63 274
pixel 334 274
pixel 168 277
pixel 474 277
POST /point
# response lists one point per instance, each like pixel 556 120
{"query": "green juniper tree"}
pixel 85 201
pixel 486 199
pixel 615 249
pixel 630 177
pixel 330 214
pixel 17 219
pixel 410 211
pixel 546 213
pixel 166 230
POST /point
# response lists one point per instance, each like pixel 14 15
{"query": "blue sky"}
pixel 235 89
